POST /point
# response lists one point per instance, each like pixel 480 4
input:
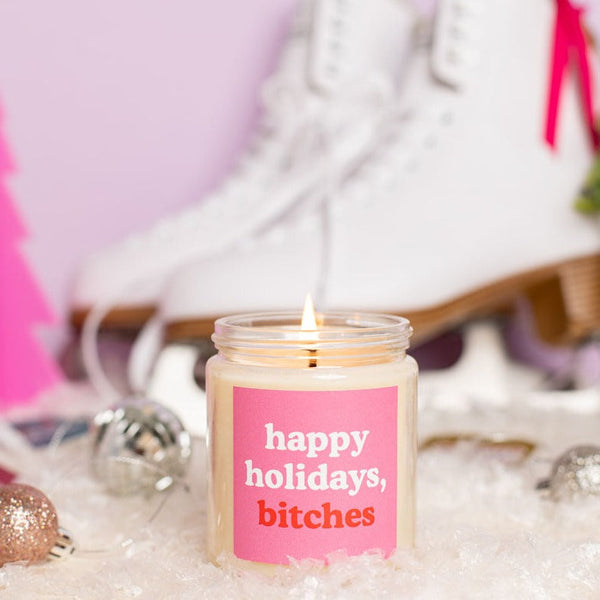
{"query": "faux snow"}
pixel 483 531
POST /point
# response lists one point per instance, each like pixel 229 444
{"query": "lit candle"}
pixel 312 436
pixel 309 327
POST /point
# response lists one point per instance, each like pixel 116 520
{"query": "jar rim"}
pixel 335 329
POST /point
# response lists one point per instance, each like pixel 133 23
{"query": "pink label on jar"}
pixel 314 472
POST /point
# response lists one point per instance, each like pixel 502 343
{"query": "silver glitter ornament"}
pixel 29 530
pixel 139 445
pixel 576 472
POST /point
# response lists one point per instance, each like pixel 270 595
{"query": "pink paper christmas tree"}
pixel 25 368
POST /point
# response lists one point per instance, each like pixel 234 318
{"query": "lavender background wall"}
pixel 120 111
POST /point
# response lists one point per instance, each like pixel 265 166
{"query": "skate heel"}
pixel 567 306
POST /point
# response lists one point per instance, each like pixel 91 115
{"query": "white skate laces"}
pixel 321 111
pixel 300 118
pixel 411 127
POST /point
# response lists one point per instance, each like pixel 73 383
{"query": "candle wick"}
pixel 312 361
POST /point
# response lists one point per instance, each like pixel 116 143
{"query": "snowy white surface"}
pixel 483 531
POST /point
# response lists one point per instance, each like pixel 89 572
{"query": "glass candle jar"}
pixel 311 435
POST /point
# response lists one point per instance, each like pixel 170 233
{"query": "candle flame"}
pixel 309 320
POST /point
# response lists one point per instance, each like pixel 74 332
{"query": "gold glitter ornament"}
pixel 29 528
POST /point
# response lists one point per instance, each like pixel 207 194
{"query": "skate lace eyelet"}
pixel 430 141
pixel 456 32
pixel 446 118
pixel 411 165
pixel 336 23
pixel 335 45
pixel 452 56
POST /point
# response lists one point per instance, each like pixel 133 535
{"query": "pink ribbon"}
pixel 569 39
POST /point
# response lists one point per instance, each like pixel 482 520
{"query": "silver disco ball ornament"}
pixel 139 445
pixel 575 472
